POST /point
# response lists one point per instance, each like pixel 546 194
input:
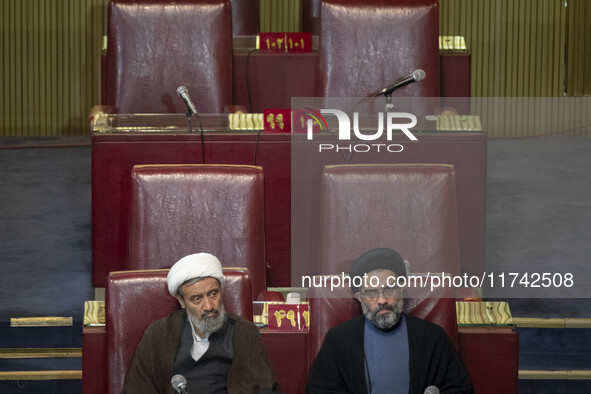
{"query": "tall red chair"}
pixel 155 46
pixel 408 207
pixel 367 45
pixel 177 210
pixel 135 299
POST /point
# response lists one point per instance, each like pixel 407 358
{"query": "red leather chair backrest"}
pixel 407 207
pixel 330 308
pixel 367 45
pixel 177 210
pixel 156 46
pixel 135 299
pixel 437 305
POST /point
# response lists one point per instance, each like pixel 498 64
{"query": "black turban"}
pixel 384 258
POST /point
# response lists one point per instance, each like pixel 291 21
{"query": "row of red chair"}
pixel 156 46
pixel 177 210
pixel 181 209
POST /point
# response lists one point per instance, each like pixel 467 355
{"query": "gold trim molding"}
pixel 533 322
pixel 41 321
pixel 40 375
pixel 12 353
pixel 555 375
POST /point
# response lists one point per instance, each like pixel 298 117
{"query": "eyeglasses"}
pixel 388 292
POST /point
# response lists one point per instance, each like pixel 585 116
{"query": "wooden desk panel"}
pixel 288 352
pixel 491 356
pixel 94 360
pixel 275 78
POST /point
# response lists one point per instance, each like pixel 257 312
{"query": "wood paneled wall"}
pixel 579 48
pixel 280 15
pixel 519 51
pixel 517 46
pixel 50 75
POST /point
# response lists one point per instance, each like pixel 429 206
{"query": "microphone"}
pixel 179 383
pixel 431 390
pixel 415 76
pixel 183 93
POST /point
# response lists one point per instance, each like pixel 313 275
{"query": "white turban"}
pixel 198 265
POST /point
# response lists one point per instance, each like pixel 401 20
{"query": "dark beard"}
pixel 386 321
pixel 209 325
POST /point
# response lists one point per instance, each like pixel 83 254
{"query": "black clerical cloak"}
pixel 433 360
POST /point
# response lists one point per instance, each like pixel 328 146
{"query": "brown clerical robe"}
pixel 152 366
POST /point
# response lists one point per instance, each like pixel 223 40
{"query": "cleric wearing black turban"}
pixel 384 350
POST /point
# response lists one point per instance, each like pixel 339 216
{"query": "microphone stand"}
pixel 189 113
pixel 389 105
pixel 388 96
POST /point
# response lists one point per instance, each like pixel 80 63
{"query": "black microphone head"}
pixel 180 90
pixel 178 380
pixel 419 75
pixel 431 389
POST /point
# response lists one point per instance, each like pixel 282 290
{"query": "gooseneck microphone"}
pixel 431 390
pixel 415 76
pixel 183 93
pixel 179 384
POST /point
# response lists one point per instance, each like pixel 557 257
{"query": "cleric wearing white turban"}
pixel 198 265
pixel 213 350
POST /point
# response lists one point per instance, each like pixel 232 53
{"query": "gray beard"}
pixel 386 321
pixel 209 325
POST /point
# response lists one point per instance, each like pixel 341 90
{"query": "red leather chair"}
pixel 177 210
pixel 156 46
pixel 367 45
pixel 408 207
pixel 330 308
pixel 135 299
